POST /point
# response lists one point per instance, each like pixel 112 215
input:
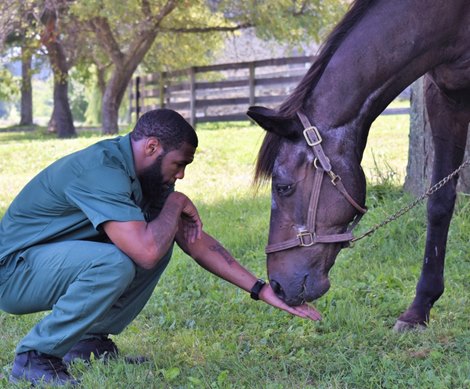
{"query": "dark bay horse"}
pixel 315 141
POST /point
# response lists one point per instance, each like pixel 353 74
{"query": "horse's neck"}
pixel 393 44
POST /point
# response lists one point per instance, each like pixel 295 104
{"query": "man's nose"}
pixel 180 174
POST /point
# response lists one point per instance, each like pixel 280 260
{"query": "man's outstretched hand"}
pixel 306 311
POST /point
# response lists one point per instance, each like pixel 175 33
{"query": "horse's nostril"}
pixel 277 288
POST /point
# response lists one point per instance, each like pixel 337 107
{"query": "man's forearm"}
pixel 164 227
pixel 146 243
pixel 212 256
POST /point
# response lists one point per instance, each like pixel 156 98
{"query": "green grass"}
pixel 201 332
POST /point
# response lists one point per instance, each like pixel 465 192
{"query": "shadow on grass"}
pixel 18 128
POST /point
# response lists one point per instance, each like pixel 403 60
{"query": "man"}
pixel 89 237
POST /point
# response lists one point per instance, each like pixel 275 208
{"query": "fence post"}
pixel 142 94
pixel 137 97
pixel 192 97
pixel 129 96
pixel 251 83
pixel 162 90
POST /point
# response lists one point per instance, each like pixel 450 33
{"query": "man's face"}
pixel 167 168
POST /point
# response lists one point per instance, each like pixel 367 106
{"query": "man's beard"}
pixel 151 180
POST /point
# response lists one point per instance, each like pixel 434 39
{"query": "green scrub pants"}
pixel 91 289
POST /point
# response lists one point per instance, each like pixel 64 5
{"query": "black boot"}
pixel 101 347
pixel 39 368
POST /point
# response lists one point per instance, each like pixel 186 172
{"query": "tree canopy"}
pixel 115 38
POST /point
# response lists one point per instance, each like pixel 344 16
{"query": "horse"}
pixel 315 140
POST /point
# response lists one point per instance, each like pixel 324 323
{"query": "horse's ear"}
pixel 271 121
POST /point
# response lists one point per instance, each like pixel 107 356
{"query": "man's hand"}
pixel 304 310
pixel 146 243
pixel 190 220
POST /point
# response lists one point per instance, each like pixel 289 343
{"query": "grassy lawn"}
pixel 201 332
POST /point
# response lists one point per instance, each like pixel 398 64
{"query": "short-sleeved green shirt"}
pixel 71 198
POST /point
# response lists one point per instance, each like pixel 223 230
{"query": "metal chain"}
pixel 414 203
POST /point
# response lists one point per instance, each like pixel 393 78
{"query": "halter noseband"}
pixel 308 237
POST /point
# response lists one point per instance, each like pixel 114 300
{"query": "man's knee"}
pixel 115 266
pixel 80 268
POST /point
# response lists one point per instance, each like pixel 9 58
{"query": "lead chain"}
pixel 414 203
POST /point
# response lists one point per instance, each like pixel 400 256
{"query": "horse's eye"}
pixel 285 189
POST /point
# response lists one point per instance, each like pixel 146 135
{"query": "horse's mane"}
pixel 272 142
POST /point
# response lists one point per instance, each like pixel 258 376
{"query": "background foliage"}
pixel 105 42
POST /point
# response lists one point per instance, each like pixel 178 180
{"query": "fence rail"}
pixel 221 92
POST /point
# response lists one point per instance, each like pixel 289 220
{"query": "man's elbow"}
pixel 149 258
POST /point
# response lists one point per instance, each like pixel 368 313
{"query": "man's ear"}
pixel 271 121
pixel 152 147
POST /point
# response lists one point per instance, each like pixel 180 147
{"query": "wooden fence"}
pixel 219 92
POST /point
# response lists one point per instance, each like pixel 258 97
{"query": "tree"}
pixel 22 28
pixel 117 36
pixel 125 32
pixel 17 32
pixel 26 117
pixel 61 120
pixel 421 152
pixel 46 24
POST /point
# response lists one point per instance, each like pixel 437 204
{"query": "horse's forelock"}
pixel 266 157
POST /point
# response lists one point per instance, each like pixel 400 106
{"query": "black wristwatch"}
pixel 254 293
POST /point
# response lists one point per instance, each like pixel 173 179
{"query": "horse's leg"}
pixel 449 116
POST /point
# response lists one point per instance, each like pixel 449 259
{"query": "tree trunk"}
pixel 61 120
pixel 421 150
pixel 110 115
pixel 112 99
pixel 26 90
pixel 124 66
pixel 464 180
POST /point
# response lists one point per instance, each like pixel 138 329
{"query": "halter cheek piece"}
pixel 308 237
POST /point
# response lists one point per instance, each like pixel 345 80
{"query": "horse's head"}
pixel 311 209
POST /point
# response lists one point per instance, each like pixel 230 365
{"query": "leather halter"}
pixel 308 237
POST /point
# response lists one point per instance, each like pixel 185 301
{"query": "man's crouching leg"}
pixel 96 344
pixel 80 281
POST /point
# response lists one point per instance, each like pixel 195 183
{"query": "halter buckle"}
pixel 314 140
pixel 334 177
pixel 306 242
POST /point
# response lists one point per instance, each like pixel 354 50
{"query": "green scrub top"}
pixel 71 198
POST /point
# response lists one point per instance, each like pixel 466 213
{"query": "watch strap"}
pixel 256 289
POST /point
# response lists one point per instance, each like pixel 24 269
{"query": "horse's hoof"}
pixel 403 326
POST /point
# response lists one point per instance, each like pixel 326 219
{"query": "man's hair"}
pixel 168 126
